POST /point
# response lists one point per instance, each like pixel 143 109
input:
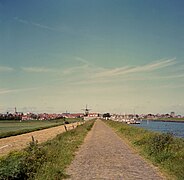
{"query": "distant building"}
pixel 93 114
pixel 172 114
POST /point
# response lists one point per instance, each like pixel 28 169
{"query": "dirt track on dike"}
pixel 21 141
pixel 105 156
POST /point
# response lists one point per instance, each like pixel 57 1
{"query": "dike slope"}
pixel 21 141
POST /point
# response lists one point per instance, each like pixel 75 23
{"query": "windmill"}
pixel 86 110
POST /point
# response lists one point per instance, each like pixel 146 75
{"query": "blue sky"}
pixel 114 55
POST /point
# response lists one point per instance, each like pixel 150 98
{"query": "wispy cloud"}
pixel 127 73
pixel 155 65
pixel 37 69
pixel 75 69
pixel 82 60
pixel 85 66
pixel 23 21
pixel 8 91
pixel 86 73
pixel 5 69
pixel 138 69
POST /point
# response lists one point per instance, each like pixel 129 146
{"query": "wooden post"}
pixel 65 127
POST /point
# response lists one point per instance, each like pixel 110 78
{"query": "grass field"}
pixel 12 127
pixel 47 160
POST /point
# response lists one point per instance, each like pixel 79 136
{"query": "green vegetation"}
pixel 47 160
pixel 167 119
pixel 164 150
pixel 13 127
pixel 171 119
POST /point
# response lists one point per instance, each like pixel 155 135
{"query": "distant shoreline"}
pixel 167 120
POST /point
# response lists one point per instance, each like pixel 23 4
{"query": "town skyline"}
pixel 86 110
pixel 116 56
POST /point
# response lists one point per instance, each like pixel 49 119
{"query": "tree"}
pixel 106 115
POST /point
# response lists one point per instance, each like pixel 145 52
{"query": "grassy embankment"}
pixel 13 127
pixel 45 161
pixel 163 150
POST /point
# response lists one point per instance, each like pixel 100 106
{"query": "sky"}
pixel 117 56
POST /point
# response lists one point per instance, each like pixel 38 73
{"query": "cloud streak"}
pixel 37 69
pixel 85 66
pixel 5 69
pixel 127 73
pixel 82 60
pixel 23 21
pixel 87 73
pixel 8 91
pixel 75 69
pixel 138 69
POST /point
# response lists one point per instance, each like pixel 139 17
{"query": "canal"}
pixel 177 128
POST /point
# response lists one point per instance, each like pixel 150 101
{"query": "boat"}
pixel 133 121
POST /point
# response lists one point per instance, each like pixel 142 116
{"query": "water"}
pixel 177 128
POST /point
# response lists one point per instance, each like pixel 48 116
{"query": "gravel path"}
pixel 105 156
pixel 21 141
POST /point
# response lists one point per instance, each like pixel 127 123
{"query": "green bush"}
pixel 35 157
pixel 159 146
pixel 12 166
pixel 22 165
pixel 160 142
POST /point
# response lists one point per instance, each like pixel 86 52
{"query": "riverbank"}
pixel 175 128
pixel 166 119
pixel 163 150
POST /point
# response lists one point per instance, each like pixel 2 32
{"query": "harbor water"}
pixel 176 128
